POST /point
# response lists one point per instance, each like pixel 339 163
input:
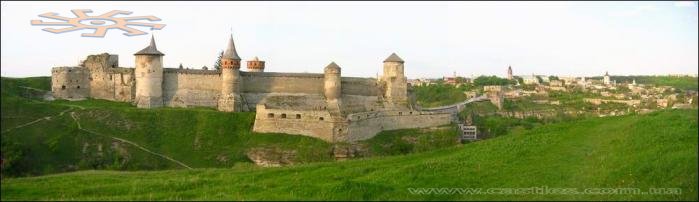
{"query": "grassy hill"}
pixel 41 137
pixel 682 82
pixel 439 94
pixel 657 150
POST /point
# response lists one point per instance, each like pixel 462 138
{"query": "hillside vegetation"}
pixel 681 82
pixel 656 150
pixel 439 94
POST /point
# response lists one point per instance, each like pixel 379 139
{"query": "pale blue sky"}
pixel 434 38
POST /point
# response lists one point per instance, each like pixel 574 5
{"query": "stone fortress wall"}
pixel 190 88
pixel 70 83
pixel 322 105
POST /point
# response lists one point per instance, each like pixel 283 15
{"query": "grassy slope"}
pixel 654 150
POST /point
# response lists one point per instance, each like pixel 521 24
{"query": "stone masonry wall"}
pixel 316 124
pixel 122 83
pixel 360 86
pixel 70 83
pixel 186 88
pixel 99 67
pixel 366 125
pixel 274 82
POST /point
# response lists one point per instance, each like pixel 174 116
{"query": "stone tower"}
pixel 255 65
pixel 394 80
pixel 607 81
pixel 332 82
pixel 509 73
pixel 149 77
pixel 230 100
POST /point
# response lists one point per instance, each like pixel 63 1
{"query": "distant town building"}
pixel 607 80
pixel 530 79
pixel 492 88
pixel 556 83
pixel 567 80
pixel 509 73
pixel 449 80
pixel 456 80
pixel 545 79
pixel 470 94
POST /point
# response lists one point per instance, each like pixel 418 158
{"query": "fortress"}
pixel 322 105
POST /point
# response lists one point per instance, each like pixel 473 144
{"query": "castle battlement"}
pixel 190 71
pixel 68 69
pixel 361 116
pixel 322 105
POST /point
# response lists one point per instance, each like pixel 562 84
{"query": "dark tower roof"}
pixel 230 51
pixel 606 73
pixel 151 49
pixel 332 65
pixel 393 58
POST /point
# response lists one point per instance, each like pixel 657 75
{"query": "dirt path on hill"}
pixel 75 118
pixel 36 121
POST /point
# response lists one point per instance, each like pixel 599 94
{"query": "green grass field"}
pixel 657 150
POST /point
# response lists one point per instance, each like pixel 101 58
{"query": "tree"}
pixel 490 80
pixel 539 79
pixel 553 78
pixel 460 79
pixel 217 65
pixel 519 79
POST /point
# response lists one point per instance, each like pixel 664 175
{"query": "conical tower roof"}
pixel 230 52
pixel 151 49
pixel 393 58
pixel 332 65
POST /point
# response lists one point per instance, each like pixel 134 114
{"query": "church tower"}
pixel 149 77
pixel 607 80
pixel 230 100
pixel 395 82
pixel 509 73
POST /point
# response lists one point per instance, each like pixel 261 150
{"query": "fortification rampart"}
pixel 273 82
pixel 366 125
pixel 191 88
pixel 70 83
pixel 313 123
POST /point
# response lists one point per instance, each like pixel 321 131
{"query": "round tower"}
pixel 332 82
pixel 149 77
pixel 255 65
pixel 394 79
pixel 229 100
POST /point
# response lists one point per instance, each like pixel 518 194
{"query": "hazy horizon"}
pixel 434 38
